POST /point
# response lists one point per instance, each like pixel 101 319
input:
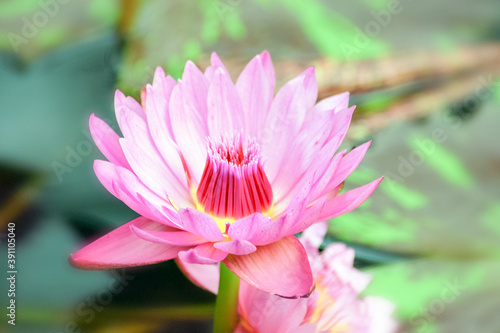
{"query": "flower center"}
pixel 234 184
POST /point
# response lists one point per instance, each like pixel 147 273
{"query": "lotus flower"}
pixel 334 306
pixel 224 172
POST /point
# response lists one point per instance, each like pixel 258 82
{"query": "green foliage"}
pixel 490 218
pixel 105 11
pixel 51 36
pixel 448 165
pixel 412 285
pixel 369 228
pixel 12 8
pixel 333 34
pixel 403 195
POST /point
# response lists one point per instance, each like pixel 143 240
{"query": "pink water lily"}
pixel 224 172
pixel 334 306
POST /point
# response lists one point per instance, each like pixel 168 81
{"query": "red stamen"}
pixel 234 183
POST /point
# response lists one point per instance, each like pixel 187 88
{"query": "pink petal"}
pixel 125 185
pixel 200 224
pixel 260 230
pixel 307 328
pixel 380 315
pixel 320 186
pixel 135 128
pixel 257 229
pixel 334 103
pixel 309 217
pixel 122 101
pixel 171 237
pixel 216 62
pixel 311 151
pixel 286 116
pixel 121 248
pixel 338 260
pixel 225 114
pixel 265 312
pixel 281 268
pixel 313 236
pixel 301 168
pixel 195 88
pixel 147 162
pixel 238 247
pixel 163 84
pixel 107 141
pixel 268 67
pixel 298 204
pixel 204 276
pixel 158 121
pixel 311 86
pixel 348 201
pixel 255 87
pixel 341 125
pixel 152 171
pixel 305 159
pixel 190 130
pixel 348 164
pixel 203 254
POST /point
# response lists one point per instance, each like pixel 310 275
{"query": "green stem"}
pixel 226 305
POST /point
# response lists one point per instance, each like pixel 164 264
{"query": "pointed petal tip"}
pixel 119 95
pixel 345 94
pixel 86 265
pixel 82 264
pixel 311 70
pixel 99 165
pixel 121 248
pixel 363 147
pixel 71 261
pixel 159 72
pixel 267 65
pixel 214 56
pixel 308 74
pixel 215 59
pixel 189 65
pixel 92 121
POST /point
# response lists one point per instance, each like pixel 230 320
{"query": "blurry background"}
pixel 424 75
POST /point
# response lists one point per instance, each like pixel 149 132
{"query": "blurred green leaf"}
pixel 447 164
pixel 333 34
